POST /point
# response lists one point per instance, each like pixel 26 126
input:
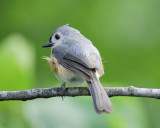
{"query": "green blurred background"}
pixel 127 34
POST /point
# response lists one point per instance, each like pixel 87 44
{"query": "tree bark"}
pixel 77 91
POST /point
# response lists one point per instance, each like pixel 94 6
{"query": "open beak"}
pixel 49 44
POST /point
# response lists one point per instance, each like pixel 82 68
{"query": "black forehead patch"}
pixel 50 39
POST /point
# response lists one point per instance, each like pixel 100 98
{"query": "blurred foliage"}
pixel 17 73
pixel 127 36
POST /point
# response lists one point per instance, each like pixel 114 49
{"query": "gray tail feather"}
pixel 101 100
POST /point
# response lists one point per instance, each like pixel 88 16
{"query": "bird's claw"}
pixel 63 88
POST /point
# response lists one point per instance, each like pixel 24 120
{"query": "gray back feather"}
pixel 77 45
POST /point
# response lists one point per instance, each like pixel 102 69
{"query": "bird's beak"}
pixel 49 44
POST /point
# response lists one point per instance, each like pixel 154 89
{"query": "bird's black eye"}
pixel 57 36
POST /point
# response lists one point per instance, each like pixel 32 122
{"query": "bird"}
pixel 75 60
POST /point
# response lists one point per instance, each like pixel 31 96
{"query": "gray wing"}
pixel 77 67
pixel 78 58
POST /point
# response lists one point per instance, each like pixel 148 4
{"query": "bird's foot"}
pixel 63 88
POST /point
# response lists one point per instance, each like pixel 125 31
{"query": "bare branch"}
pixel 77 91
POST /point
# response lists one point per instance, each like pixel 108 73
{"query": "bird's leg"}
pixel 63 88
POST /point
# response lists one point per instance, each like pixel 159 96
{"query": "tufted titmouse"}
pixel 75 60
